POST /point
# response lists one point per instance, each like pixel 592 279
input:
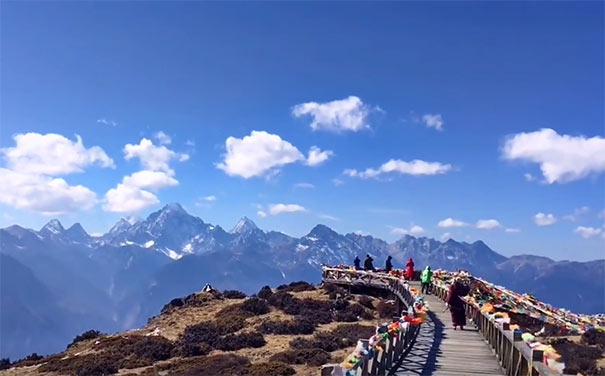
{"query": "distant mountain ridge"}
pixel 116 281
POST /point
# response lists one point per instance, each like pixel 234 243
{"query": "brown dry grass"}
pixel 172 324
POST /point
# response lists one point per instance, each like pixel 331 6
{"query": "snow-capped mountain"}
pixel 116 281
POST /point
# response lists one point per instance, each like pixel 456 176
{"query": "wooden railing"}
pixel 393 349
pixel 514 355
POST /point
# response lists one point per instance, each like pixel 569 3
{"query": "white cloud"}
pixel 487 224
pixel 317 156
pixel 577 213
pixel 52 154
pixel 134 193
pixel 349 114
pixel 587 232
pixel 451 222
pixel 128 199
pixel 446 236
pixel 154 158
pixel 329 217
pixel 415 167
pixel 261 214
pixel 304 186
pixel 210 198
pixel 529 177
pixel 107 122
pixel 337 182
pixel 276 209
pixel 258 154
pixel 562 158
pixel 413 230
pixel 190 143
pixel 433 121
pixel 152 180
pixel 512 230
pixel 163 138
pixel 542 219
pixel 49 196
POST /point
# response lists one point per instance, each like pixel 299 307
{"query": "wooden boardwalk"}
pixel 440 350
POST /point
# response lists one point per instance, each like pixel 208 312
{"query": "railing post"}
pixel 536 356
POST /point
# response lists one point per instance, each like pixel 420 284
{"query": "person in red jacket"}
pixel 409 271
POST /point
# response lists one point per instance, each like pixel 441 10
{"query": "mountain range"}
pixel 58 282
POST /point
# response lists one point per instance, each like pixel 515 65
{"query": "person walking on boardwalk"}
pixel 389 265
pixel 456 304
pixel 368 264
pixel 425 280
pixel 409 269
pixel 357 263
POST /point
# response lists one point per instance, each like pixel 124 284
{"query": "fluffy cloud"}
pixel 349 114
pixel 415 167
pixel 562 158
pixel 587 232
pixel 49 196
pixel 135 192
pixel 52 154
pixel 337 182
pixel 152 157
pixel 317 156
pixel 512 230
pixel 446 236
pixel 258 154
pixel 414 230
pixel 261 213
pixel 276 209
pixel 577 213
pixel 209 198
pixel 128 199
pixel 487 224
pixel 451 222
pixel 433 121
pixel 28 182
pixel 529 177
pixel 163 138
pixel 542 219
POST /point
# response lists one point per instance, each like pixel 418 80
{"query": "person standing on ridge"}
pixel 425 280
pixel 367 264
pixel 389 265
pixel 409 271
pixel 456 304
pixel 357 263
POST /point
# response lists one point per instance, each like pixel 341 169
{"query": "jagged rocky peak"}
pixel 244 225
pixel 173 207
pixel 77 231
pixel 320 231
pixel 53 227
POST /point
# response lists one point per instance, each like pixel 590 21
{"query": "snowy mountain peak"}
pixel 132 220
pixel 53 227
pixel 173 207
pixel 244 225
pixel 76 232
pixel 321 231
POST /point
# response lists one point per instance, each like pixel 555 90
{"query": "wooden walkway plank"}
pixel 442 351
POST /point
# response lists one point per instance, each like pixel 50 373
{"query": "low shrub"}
pixel 85 365
pixel 187 349
pixel 594 337
pixel 255 306
pixel 386 309
pixel 214 365
pixel 345 316
pixel 89 334
pixel 330 288
pixel 297 287
pixel 366 301
pixel 270 369
pixel 29 360
pixel 316 316
pixel 233 294
pixel 578 358
pixel 340 337
pixel 231 321
pixel 280 300
pixel 195 336
pixel 312 357
pixel 135 350
pixel 265 292
pixel 234 342
pixel 5 363
pixel 301 326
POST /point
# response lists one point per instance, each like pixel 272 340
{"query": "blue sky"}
pixel 488 112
